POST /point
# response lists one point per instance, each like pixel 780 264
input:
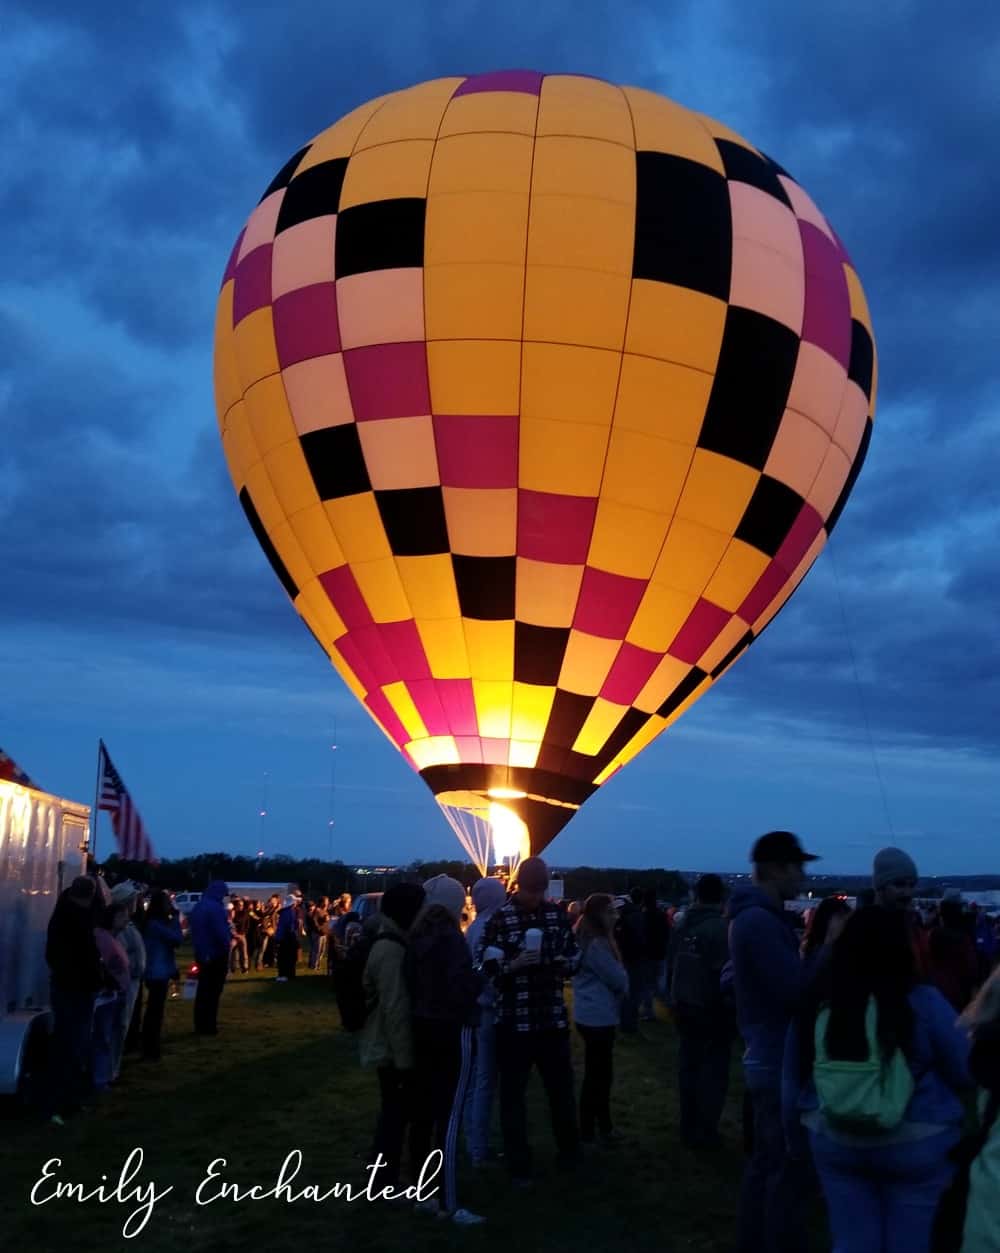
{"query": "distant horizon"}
pixel 562 868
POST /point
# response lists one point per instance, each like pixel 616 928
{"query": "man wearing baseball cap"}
pixel 767 979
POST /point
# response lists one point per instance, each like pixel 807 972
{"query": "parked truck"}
pixel 43 843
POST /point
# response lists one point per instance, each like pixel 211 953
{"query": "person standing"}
pixel 704 1018
pixel 387 1035
pixel 123 897
pixel 444 991
pixel 269 928
pixel 880 1070
pixel 319 921
pixel 538 953
pixel 952 965
pixel 76 977
pixel 826 923
pixel 894 883
pixel 162 939
pixel 211 938
pixel 487 897
pixel 656 942
pixel 631 939
pixel 599 987
pixel 110 1002
pixel 255 935
pixel 768 982
pixel 239 957
pixel 982 1216
pixel 287 939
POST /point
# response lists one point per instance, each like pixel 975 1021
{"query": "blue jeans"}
pixel 775 1180
pixel 883 1199
pixel 482 1089
pixel 106 1011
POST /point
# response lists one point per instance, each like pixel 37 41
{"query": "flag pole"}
pixel 97 798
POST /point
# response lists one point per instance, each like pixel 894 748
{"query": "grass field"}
pixel 282 1075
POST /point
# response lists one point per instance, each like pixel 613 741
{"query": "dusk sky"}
pixel 137 605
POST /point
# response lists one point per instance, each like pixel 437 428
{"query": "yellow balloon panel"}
pixel 541 396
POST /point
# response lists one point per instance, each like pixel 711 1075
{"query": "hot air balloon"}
pixel 541 396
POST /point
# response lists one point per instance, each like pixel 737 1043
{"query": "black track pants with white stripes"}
pixel 443 1055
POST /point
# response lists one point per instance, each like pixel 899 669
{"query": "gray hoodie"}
pixel 599 986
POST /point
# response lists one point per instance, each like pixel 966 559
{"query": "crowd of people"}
pixel 866 1032
pixel 865 1039
pixel 260 929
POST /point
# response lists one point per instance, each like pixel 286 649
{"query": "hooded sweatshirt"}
pixel 162 939
pixel 210 932
pixel 767 978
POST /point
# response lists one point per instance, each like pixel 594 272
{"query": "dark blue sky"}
pixel 136 603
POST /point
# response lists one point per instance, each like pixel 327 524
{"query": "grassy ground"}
pixel 282 1075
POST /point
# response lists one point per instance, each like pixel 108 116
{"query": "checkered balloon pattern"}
pixel 541 396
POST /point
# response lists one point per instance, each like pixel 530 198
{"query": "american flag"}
pixel 130 830
pixel 10 770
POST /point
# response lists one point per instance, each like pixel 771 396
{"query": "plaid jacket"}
pixel 532 999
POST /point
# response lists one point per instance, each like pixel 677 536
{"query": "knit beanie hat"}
pixel 487 895
pixel 402 903
pixel 891 864
pixel 443 890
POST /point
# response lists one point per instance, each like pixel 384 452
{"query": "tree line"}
pixel 317 877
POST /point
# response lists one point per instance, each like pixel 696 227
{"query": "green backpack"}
pixel 864 1098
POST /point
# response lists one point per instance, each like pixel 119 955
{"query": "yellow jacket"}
pixel 387 1036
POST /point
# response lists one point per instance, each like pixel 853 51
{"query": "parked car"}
pixel 367 905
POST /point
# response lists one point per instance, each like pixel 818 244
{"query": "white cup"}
pixel 532 940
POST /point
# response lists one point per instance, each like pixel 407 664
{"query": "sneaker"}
pixel 57 1120
pixel 280 979
pixel 466 1218
pixel 431 1206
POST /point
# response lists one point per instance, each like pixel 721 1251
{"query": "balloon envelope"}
pixel 541 396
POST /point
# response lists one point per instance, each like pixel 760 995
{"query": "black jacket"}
pixel 444 987
pixel 71 950
pixel 631 934
pixel 657 933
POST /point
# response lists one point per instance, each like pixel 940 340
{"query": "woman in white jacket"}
pixel 599 987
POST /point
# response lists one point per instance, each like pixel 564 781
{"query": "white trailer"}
pixel 43 842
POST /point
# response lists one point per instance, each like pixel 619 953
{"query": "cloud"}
pixel 137 146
